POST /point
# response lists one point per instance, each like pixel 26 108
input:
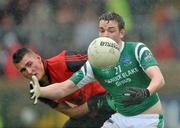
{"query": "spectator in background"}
pixel 2 58
pixel 121 7
pixel 38 23
pixel 86 28
pixel 163 48
pixel 51 27
pixel 167 41
pixel 19 9
pixel 11 42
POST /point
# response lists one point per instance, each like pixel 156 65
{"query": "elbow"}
pixel 60 90
pixel 162 83
pixel 58 93
pixel 73 115
pixel 63 91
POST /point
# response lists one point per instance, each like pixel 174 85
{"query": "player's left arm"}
pixel 74 111
pixel 149 65
pixel 95 104
pixel 68 109
pixel 92 107
pixel 137 95
pixel 157 79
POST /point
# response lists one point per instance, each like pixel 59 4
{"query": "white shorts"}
pixel 118 120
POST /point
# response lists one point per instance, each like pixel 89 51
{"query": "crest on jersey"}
pixel 147 55
pixel 126 60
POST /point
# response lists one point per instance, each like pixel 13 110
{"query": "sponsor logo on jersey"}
pixel 122 78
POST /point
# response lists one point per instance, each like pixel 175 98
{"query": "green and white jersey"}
pixel 129 72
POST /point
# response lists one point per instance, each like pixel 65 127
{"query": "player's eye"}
pixel 111 30
pixel 101 30
pixel 23 70
pixel 29 64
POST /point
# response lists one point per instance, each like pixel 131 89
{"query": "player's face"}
pixel 110 29
pixel 31 65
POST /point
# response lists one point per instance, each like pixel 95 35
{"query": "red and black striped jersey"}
pixel 62 66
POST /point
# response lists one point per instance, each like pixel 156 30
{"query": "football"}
pixel 103 52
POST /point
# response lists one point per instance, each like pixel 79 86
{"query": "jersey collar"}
pixel 122 46
pixel 45 64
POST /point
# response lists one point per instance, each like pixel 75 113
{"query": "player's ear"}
pixel 122 33
pixel 38 57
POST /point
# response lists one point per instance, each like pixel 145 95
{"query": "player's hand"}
pixel 35 90
pixel 135 95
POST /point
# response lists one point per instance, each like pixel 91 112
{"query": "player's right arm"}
pixel 72 111
pixel 57 90
pixel 60 90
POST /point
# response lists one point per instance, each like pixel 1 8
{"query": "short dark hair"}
pixel 19 54
pixel 113 16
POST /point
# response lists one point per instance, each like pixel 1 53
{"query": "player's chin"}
pixel 27 77
pixel 30 76
pixel 39 76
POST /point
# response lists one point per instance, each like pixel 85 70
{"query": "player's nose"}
pixel 105 34
pixel 29 70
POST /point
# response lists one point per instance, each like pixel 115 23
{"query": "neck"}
pixel 45 80
pixel 120 43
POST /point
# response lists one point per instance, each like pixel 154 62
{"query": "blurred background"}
pixel 49 26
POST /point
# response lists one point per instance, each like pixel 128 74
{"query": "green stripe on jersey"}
pixel 161 121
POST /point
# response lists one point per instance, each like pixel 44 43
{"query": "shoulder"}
pixel 59 56
pixel 75 59
pixel 133 44
pixel 65 53
pixel 70 52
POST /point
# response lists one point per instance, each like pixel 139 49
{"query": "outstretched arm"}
pixel 58 90
pixel 64 107
pixel 53 91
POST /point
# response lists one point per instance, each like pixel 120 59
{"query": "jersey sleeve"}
pixel 83 76
pixel 144 56
pixel 75 59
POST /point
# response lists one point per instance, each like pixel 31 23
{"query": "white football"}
pixel 103 52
